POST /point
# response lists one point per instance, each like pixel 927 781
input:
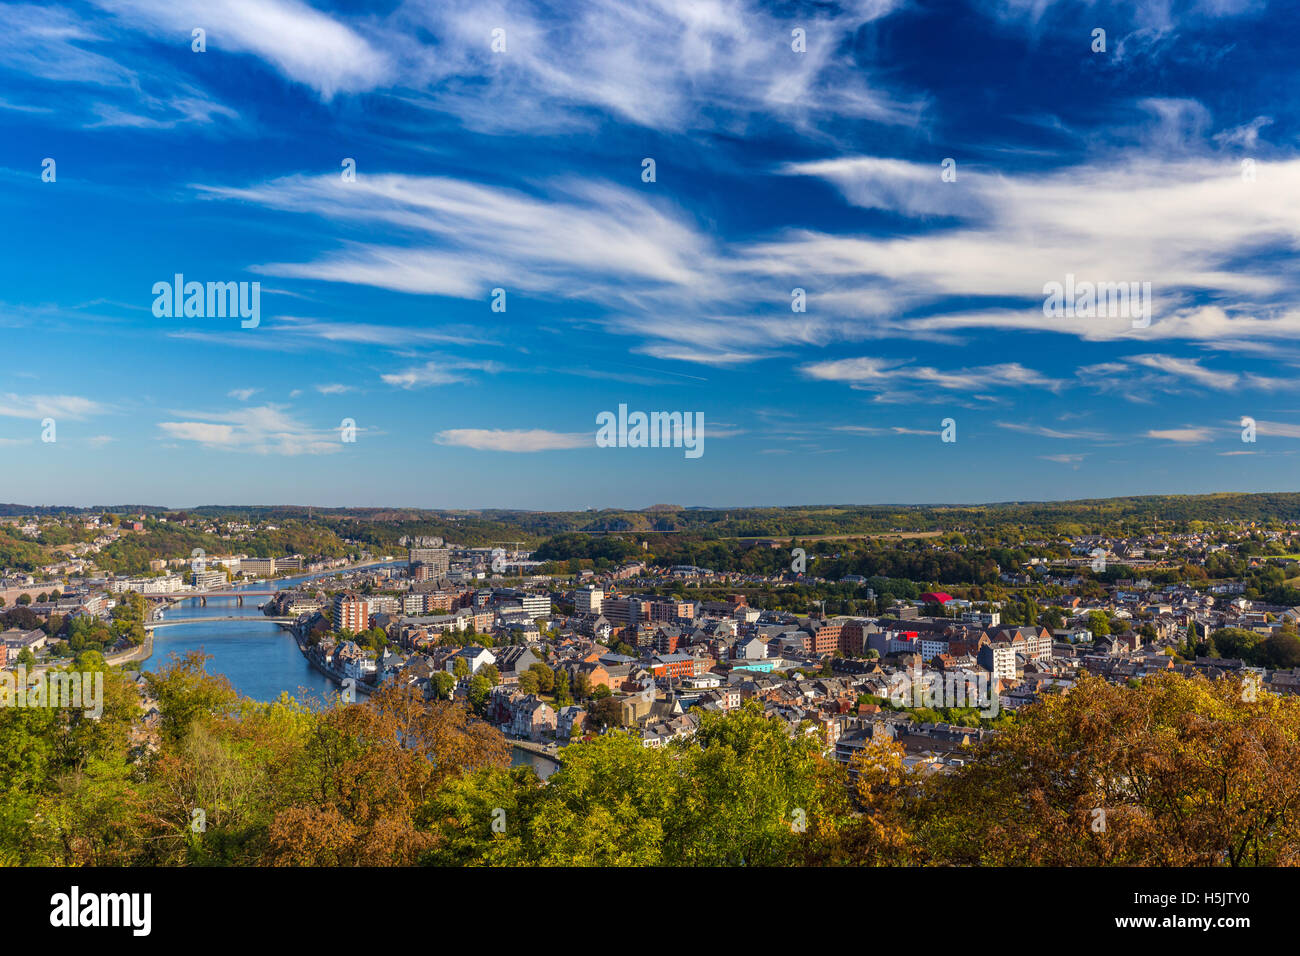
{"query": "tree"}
pixel 605 712
pixel 1281 650
pixel 1238 642
pixel 545 677
pixel 1098 623
pixel 1187 772
pixel 460 667
pixel 186 693
pixel 562 696
pixel 883 789
pixel 743 791
pixel 1052 618
pixel 480 688
pixel 443 685
pixel 24 599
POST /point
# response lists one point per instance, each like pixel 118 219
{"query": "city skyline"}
pixel 922 175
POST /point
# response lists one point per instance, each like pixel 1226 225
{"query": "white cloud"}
pixel 48 406
pixel 1246 136
pixel 437 372
pixel 884 375
pixel 1187 226
pixel 1278 429
pixel 517 440
pixel 1188 368
pixel 303 43
pixel 482 237
pixel 666 64
pixel 265 429
pixel 1043 431
pixel 83 53
pixel 1189 435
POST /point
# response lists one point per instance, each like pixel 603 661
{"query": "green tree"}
pixel 563 698
pixel 1098 623
pixel 545 677
pixel 480 688
pixel 444 685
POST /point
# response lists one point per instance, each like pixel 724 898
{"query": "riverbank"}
pixel 327 672
pixel 304 577
pixel 549 751
pixel 140 653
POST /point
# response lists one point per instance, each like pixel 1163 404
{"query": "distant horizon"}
pixel 115 508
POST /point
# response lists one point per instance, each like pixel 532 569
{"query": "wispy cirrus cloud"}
pixel 673 65
pixel 1184 436
pixel 90 61
pixel 300 41
pixel 1277 429
pixel 49 406
pixel 1187 225
pixel 438 372
pixel 265 430
pixel 514 440
pixel 1044 431
pixel 477 237
pixel 886 376
pixel 1138 377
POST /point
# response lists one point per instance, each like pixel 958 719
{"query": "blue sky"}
pixel 521 169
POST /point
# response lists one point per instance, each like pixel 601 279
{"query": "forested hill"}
pixel 1095 515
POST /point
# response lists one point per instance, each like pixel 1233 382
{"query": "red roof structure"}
pixel 936 597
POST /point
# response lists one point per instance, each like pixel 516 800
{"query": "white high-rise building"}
pixel 588 600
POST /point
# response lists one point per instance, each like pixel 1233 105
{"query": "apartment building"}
pixel 351 613
pixel 625 612
pixel 204 580
pixel 825 635
pixel 999 658
pixel 672 611
pixel 257 567
pixel 588 600
pixel 436 561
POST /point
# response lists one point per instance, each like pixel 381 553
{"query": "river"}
pixel 261 659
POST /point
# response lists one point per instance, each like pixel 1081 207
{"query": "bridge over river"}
pixel 284 622
pixel 203 596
